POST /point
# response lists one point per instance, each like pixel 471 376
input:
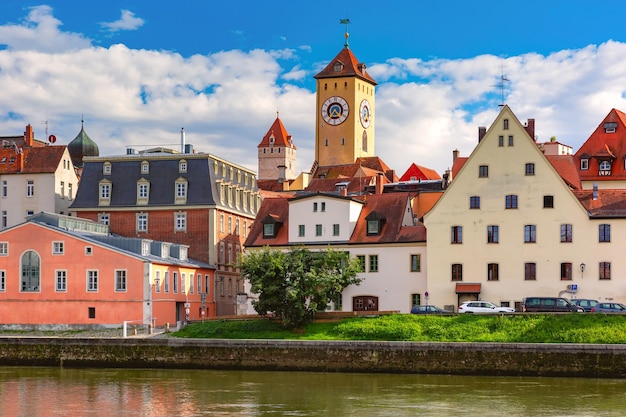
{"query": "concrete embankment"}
pixel 598 361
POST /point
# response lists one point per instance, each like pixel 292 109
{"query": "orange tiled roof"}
pixel 278 209
pixel 609 203
pixel 354 184
pixel 31 160
pixel 350 67
pixel 281 137
pixel 565 166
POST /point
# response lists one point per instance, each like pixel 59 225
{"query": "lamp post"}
pixel 582 269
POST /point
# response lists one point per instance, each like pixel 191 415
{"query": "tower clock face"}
pixel 365 114
pixel 335 110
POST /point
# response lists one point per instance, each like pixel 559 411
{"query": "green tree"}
pixel 295 284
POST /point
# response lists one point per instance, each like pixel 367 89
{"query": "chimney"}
pixel 595 190
pixel 343 191
pixel 182 140
pixel 390 174
pixel 455 155
pixel 379 183
pixel 28 136
pixel 20 160
pixel 482 131
pixel 281 173
pixel 530 128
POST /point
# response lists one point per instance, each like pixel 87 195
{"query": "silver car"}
pixel 483 307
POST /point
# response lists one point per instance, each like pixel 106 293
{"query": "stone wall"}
pixel 598 361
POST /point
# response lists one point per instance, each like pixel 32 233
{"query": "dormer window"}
pixel 338 67
pixel 181 191
pixel 270 226
pixel 374 224
pixel 182 166
pixel 610 127
pixel 106 168
pixel 584 164
pixel 605 168
pixel 272 140
pixel 145 167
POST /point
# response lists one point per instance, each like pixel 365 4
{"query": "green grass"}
pixel 568 328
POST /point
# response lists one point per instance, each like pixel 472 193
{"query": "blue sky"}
pixel 138 71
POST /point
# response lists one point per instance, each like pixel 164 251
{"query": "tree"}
pixel 295 284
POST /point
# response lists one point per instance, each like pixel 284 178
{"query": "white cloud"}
pixel 227 100
pixel 127 21
pixel 40 32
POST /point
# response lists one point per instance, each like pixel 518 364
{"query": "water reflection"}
pixel 111 392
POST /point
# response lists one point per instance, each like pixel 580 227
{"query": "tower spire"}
pixel 346 35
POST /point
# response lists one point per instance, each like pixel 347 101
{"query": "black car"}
pixel 586 304
pixel 427 310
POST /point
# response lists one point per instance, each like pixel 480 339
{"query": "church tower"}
pixel 345 110
pixel 277 154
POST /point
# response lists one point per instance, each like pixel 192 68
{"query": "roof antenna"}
pixel 345 22
pixel 501 85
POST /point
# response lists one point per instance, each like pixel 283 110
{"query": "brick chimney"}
pixel 379 183
pixel 482 131
pixel 28 136
pixel 530 128
pixel 455 155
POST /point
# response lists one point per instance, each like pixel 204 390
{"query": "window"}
pixel 181 221
pixel 510 140
pixel 483 171
pixel 120 280
pixel 105 191
pixel 145 167
pixel 57 248
pixel 3 281
pixel 4 248
pixel 5 218
pixel 500 141
pixel 361 259
pixel 181 190
pixel 301 229
pixel 314 207
pixel 318 230
pixel 530 169
pixel 175 281
pixel 584 164
pixel 505 124
pixel 373 263
pixel 492 272
pixel 474 202
pixel 530 233
pixel 416 300
pixel 103 218
pixel 30 269
pixel 157 281
pixel 237 226
pixel 183 283
pixel 605 166
pixel 323 206
pixel 70 193
pixel 166 281
pixel 268 230
pixel 510 201
pixel 604 231
pixel 566 271
pixel 457 272
pixel 566 233
pixel 457 234
pixel 335 230
pixel 61 281
pixel 530 271
pixel 142 222
pixel 142 191
pixel 493 234
pixel 91 311
pixel 230 225
pixel 106 168
pixel 5 188
pixel 88 250
pixel 222 223
pixel 548 201
pixel 182 166
pixel 92 280
pixel 605 270
pixel 62 189
pixel 372 227
pixel 416 263
pixel 30 188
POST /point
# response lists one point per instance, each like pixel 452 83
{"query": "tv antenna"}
pixel 501 85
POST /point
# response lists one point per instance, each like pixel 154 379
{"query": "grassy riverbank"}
pixel 568 328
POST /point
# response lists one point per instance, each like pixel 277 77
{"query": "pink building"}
pixel 60 271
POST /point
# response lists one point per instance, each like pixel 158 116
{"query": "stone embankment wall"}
pixel 599 361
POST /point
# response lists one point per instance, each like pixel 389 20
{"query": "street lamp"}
pixel 582 269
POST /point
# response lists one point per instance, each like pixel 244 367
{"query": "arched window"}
pixel 364 141
pixel 30 271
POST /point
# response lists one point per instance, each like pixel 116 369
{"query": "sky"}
pixel 136 72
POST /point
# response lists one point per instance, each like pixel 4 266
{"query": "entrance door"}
pixel 365 303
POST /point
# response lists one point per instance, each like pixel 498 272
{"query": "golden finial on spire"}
pixel 346 35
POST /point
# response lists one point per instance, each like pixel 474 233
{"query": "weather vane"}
pixel 345 22
pixel 501 85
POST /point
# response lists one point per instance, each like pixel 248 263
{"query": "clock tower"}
pixel 345 110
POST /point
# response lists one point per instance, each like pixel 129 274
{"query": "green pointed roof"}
pixel 82 146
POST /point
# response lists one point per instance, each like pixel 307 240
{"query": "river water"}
pixel 150 393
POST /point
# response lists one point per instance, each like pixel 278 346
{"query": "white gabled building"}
pixel 515 223
pixel 382 230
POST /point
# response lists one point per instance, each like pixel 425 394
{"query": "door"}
pixel 365 303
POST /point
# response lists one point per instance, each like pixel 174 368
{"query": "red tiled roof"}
pixel 278 209
pixel 566 167
pixel 458 164
pixel 609 203
pixel 467 288
pixel 350 67
pixel 31 160
pixel 419 173
pixel 355 184
pixel 602 145
pixel 281 137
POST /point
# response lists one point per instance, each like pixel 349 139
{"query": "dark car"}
pixel 586 304
pixel 549 305
pixel 609 308
pixel 427 310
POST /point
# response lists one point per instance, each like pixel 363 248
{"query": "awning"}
pixel 467 288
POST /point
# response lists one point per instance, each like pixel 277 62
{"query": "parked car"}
pixel 586 304
pixel 427 310
pixel 609 308
pixel 549 305
pixel 483 307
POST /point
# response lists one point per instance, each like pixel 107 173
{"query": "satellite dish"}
pixel 52 138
